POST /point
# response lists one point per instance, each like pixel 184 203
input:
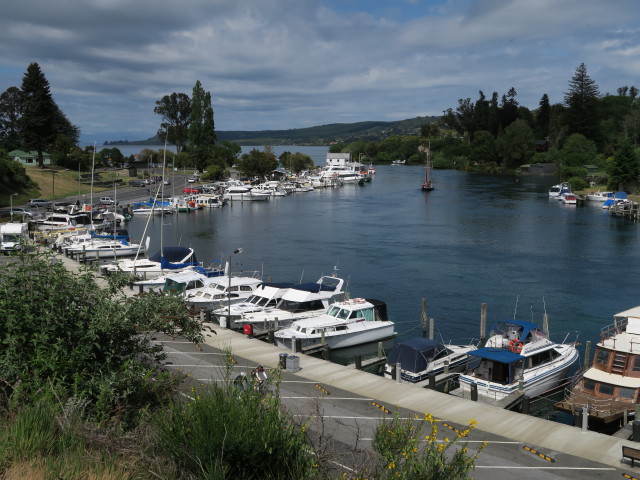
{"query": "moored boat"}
pixel 518 356
pixel 610 386
pixel 421 358
pixel 344 324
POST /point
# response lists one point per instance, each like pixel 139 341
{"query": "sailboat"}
pixel 428 185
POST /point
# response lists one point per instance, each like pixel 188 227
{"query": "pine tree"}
pixel 39 112
pixel 581 102
pixel 543 117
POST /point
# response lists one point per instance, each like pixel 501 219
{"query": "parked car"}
pixel 106 201
pixel 167 182
pixel 191 190
pixel 6 212
pixel 136 183
pixel 39 202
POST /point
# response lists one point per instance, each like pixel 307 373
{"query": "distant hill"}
pixel 320 135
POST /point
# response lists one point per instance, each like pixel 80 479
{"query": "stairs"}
pixel 619 362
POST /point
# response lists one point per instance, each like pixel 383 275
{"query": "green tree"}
pixel 483 148
pixel 515 144
pixel 578 151
pixel 543 117
pixel 202 135
pixel 624 168
pixel 111 157
pixel 10 113
pixel 83 341
pixel 39 112
pixel 227 153
pixel 175 110
pixel 581 101
pixel 258 163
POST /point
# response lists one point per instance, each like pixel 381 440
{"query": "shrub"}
pixel 403 454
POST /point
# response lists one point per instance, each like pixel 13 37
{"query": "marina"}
pixel 390 241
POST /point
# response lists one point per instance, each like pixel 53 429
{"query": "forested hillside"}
pixel 320 135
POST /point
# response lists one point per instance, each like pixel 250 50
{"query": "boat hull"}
pixel 372 333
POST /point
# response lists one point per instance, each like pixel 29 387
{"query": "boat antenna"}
pixel 301 275
pixel 515 310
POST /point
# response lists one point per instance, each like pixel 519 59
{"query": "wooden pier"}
pixel 629 210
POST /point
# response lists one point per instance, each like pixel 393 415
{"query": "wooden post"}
pixel 526 404
pixel 432 382
pixel 483 324
pixel 326 352
pixel 379 349
pixel 424 318
pixel 587 353
pixel 474 392
pixel 432 324
pixel 358 360
pixel 545 324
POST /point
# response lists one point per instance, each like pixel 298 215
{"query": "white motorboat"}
pixel 421 358
pixel 599 196
pixel 222 291
pixel 303 300
pixel 152 208
pixel 266 295
pixel 517 354
pixel 181 281
pixel 610 386
pixel 556 190
pixel 57 222
pixel 238 191
pixel 340 169
pixel 166 260
pixel 344 324
pixel 104 248
pixel 398 162
pixel 569 198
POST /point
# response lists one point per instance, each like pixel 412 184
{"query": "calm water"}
pixel 474 239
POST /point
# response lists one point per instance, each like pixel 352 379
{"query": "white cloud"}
pixel 273 64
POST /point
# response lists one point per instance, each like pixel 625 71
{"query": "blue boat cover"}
pixel 208 272
pixel 414 355
pixel 497 355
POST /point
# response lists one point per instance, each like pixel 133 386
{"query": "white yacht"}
pixel 181 281
pixel 303 300
pixel 238 191
pixel 517 353
pixel 105 248
pixel 344 324
pixel 266 295
pixel 222 291
pixel 340 168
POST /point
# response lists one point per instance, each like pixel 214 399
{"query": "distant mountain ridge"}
pixel 320 135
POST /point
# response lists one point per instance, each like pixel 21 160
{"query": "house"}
pixel 29 158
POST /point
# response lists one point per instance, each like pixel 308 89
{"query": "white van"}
pixel 106 201
pixel 13 236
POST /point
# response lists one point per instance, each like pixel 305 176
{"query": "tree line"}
pixel 500 135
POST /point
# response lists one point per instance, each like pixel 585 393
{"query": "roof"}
pixel 497 355
pixel 21 153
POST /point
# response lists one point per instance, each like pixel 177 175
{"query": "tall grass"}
pixel 225 433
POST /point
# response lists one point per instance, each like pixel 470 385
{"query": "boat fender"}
pixel 515 346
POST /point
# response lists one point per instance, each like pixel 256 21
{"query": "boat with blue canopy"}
pixel 517 357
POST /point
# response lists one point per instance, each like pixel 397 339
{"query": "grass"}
pixel 54 182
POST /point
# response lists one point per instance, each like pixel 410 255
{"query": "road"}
pixel 343 423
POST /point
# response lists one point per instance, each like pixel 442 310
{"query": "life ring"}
pixel 515 346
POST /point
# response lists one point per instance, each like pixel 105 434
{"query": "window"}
pixel 246 288
pixel 636 363
pixel 626 392
pixel 602 357
pixel 606 389
pixel 589 384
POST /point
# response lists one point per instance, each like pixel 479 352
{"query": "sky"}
pixel 283 64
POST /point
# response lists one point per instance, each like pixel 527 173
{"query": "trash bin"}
pixel 283 360
pixel 293 363
pixel 223 322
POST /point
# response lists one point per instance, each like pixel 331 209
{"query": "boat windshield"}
pixel 297 307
